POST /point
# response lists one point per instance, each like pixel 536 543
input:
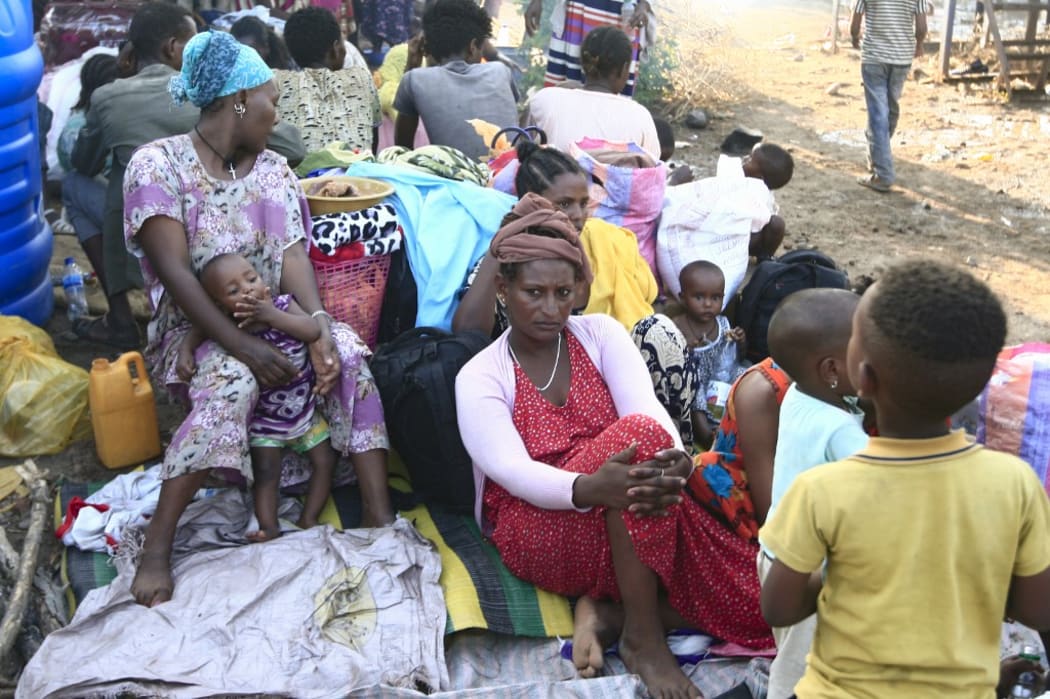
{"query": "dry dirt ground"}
pixel 972 189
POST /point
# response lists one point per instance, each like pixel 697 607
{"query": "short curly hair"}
pixel 808 326
pixel 309 34
pixel 604 52
pixel 777 164
pixel 450 25
pixel 153 24
pixel 938 331
pixel 938 313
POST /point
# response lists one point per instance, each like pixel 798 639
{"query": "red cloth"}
pixel 73 508
pixel 343 253
pixel 709 572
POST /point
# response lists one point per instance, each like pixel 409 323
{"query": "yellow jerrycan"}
pixel 123 414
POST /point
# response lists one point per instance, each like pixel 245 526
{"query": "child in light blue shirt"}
pixel 819 423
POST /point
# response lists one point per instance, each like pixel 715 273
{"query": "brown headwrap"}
pixel 513 242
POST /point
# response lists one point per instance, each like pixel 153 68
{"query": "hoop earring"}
pixel 239 109
pixel 834 384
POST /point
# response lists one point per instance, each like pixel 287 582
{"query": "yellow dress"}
pixel 623 286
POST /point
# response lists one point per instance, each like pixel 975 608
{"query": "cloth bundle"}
pixel 98 522
pixel 628 190
pixel 1015 407
pixel 711 219
pixel 350 235
pixel 443 161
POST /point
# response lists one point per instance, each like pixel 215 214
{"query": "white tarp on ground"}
pixel 312 614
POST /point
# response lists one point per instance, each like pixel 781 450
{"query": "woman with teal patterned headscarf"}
pixel 219 190
pixel 215 65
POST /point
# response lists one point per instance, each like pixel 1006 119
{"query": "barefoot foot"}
pixel 305 522
pixel 264 534
pixel 651 659
pixel 153 583
pixel 596 625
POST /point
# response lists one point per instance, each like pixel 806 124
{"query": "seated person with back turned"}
pixel 327 102
pixel 455 87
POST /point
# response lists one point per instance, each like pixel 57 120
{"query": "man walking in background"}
pixel 894 31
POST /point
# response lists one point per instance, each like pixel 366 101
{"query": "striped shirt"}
pixel 889 30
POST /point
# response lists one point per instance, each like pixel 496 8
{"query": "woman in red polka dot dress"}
pixel 580 470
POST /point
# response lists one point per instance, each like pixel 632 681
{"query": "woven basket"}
pixel 352 292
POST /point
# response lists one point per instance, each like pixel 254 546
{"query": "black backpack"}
pixel 774 280
pixel 399 300
pixel 416 377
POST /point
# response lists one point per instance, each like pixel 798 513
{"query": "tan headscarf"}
pixel 513 242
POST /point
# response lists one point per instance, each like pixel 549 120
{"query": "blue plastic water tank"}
pixel 25 240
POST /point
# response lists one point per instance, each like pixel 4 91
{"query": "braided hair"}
pixel 538 167
pixel 99 70
pixel 604 52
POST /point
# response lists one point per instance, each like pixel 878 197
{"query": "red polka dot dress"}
pixel 709 572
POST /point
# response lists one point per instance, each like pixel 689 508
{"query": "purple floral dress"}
pixel 258 216
pixel 285 413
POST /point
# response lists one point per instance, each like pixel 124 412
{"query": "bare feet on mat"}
pixel 596 625
pixel 651 659
pixel 153 583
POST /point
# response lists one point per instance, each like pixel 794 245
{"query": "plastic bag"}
pixel 69 29
pixel 43 399
pixel 1015 407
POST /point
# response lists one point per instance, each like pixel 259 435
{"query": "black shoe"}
pixel 741 141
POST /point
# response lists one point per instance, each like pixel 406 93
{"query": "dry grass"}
pixel 706 76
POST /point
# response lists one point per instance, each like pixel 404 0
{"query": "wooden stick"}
pixel 16 607
pixel 8 557
pixel 835 26
pixel 946 38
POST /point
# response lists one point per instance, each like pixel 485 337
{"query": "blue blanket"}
pixel 447 224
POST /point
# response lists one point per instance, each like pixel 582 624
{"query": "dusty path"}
pixel 972 171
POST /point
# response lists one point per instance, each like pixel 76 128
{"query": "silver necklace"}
pixel 557 357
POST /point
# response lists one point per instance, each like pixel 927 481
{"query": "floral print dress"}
pixel 258 216
pixel 720 480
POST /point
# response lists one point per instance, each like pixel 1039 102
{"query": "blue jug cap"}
pixel 70 260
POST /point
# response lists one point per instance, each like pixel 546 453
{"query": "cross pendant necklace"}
pixel 231 166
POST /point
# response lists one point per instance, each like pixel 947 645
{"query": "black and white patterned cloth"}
pixel 376 228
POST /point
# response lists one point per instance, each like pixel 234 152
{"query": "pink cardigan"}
pixel 485 402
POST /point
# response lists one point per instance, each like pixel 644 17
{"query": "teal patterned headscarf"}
pixel 214 65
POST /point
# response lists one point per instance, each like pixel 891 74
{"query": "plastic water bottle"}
pixel 1026 685
pixel 73 285
pixel 717 390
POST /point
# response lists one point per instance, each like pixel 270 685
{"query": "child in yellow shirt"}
pixel 929 538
